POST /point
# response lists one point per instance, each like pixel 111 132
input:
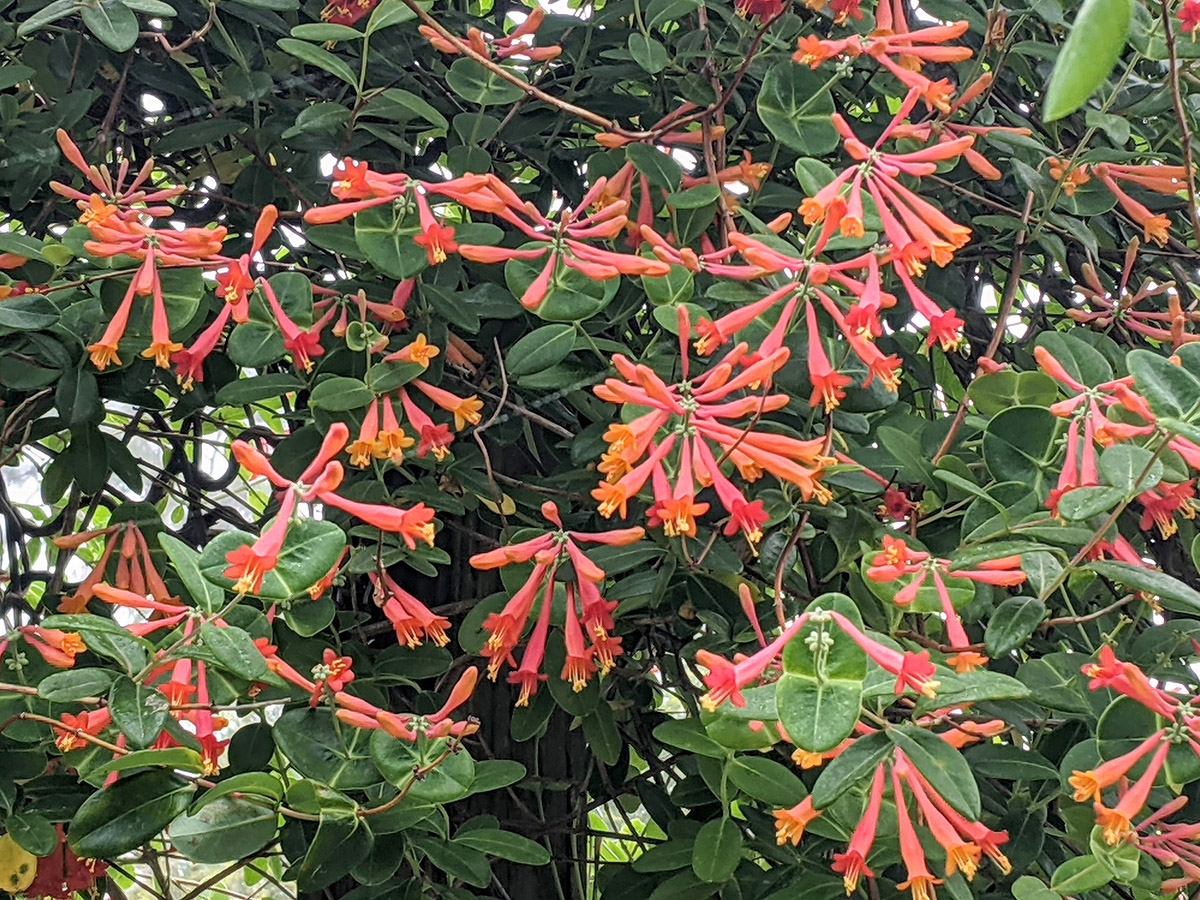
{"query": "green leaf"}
pixel 27 312
pixel 1174 593
pixel 32 832
pixel 392 12
pixel 224 830
pixel 942 766
pixel 1083 361
pixel 1087 57
pixel 688 734
pixel 1080 874
pixel 505 845
pixel 1010 763
pixel 127 814
pixel 319 32
pixel 258 387
pixel 600 731
pixel 493 774
pixel 1082 503
pixel 765 780
pixel 717 851
pixel 1019 443
pixel 450 780
pixel 21 244
pixel 795 105
pixel 170 758
pixel 75 684
pixel 112 22
pixel 1170 390
pixel 540 349
pixel 10 76
pixel 52 12
pixel 387 242
pixel 340 395
pixel 1120 860
pixel 205 133
pixel 206 595
pixel 475 84
pixel 1029 888
pixel 255 344
pixel 324 749
pixel 1012 623
pixel 660 169
pixel 850 768
pixel 138 710
pixel 994 392
pixel 456 860
pixel 319 57
pixel 819 695
pixel 648 53
pixel 260 784
pixel 234 649
pixel 342 840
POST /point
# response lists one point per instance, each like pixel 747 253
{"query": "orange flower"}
pixel 1088 785
pixel 1115 822
pixel 790 823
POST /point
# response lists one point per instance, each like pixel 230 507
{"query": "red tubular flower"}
pixel 412 524
pixel 965 660
pixel 303 345
pixel 104 351
pixel 436 239
pixel 331 445
pixel 852 864
pixel 827 382
pixel 911 670
pixel 248 564
pixel 1088 785
pixel 189 363
pixel 1126 678
pixel 962 855
pixel 74 728
pixel 334 672
pixel 1189 17
pixel 726 679
pixel 367 445
pixel 411 618
pixel 530 671
pixel 920 881
pixel 1115 822
pixel 465 409
pixel 347 12
pixel 434 437
pixel 504 628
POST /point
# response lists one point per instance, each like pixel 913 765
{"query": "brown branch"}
pixel 1006 305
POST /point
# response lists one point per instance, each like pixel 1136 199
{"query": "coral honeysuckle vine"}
pixel 724 449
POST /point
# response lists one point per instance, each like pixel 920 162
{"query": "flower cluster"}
pixel 899 50
pixel 518 43
pixel 588 617
pixel 693 418
pixel 1091 422
pixel 898 560
pixel 248 564
pixel 727 679
pixel 1182 730
pixel 964 842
